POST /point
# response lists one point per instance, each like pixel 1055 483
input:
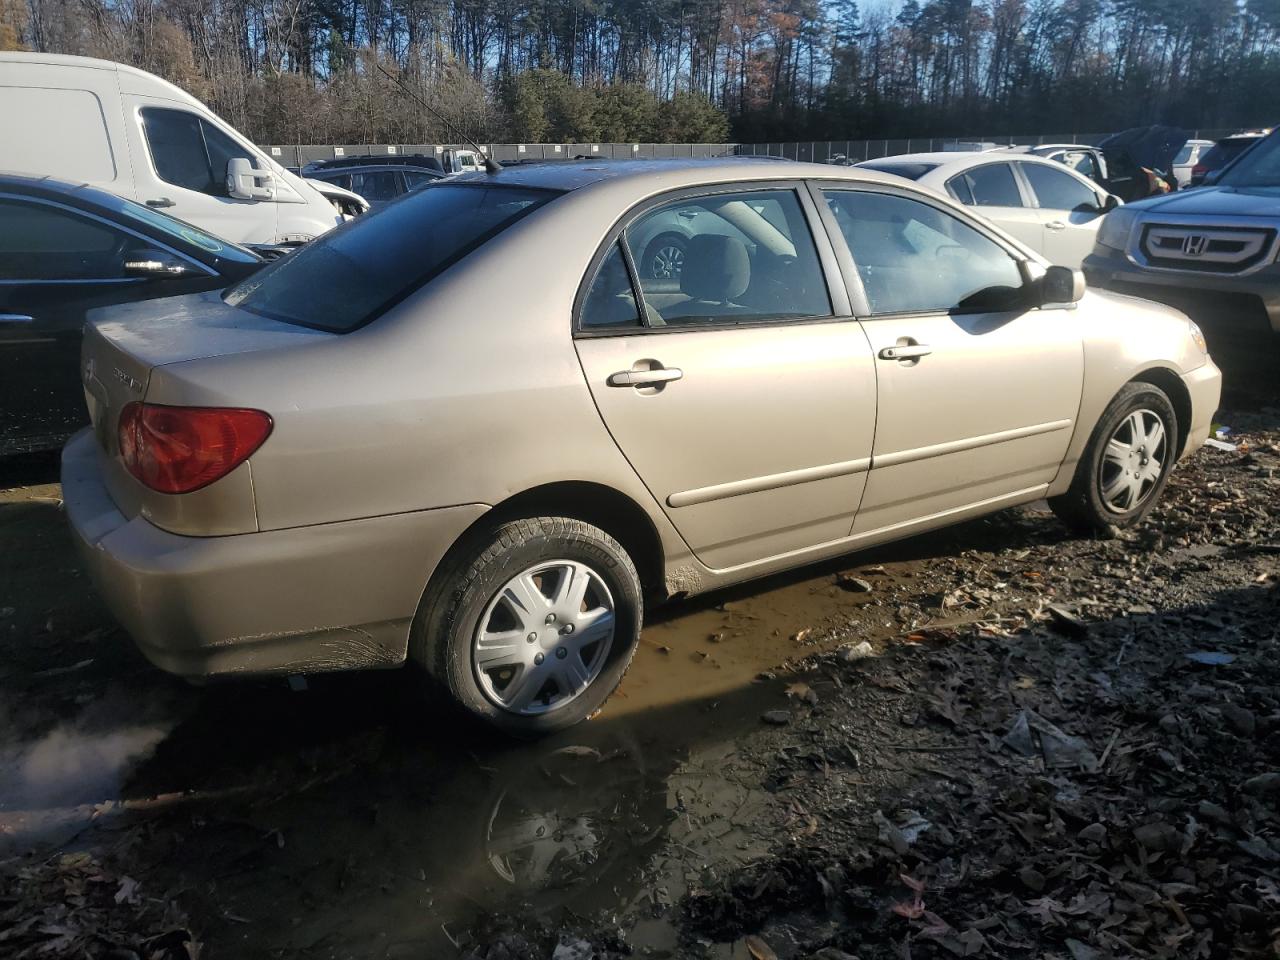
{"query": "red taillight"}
pixel 1199 170
pixel 180 449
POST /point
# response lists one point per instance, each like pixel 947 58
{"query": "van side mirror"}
pixel 1060 285
pixel 246 182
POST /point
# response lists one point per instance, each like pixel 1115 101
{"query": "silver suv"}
pixel 1203 243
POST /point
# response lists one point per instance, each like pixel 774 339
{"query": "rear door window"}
pixel 992 185
pixel 376 185
pixel 347 277
pixel 728 258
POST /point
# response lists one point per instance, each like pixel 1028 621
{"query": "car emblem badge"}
pixel 1193 244
pixel 127 380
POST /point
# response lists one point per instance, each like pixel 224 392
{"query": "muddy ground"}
pixel 997 740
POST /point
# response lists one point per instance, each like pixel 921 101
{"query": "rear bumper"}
pixel 335 596
pixel 1254 300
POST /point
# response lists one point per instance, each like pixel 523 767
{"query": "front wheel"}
pixel 532 624
pixel 1126 464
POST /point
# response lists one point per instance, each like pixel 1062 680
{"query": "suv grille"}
pixel 1207 249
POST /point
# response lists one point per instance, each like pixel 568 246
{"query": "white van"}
pixel 128 131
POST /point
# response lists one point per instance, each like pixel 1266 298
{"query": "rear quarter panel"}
pixel 467 392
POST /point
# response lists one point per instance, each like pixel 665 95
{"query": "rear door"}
pixel 997 191
pixel 742 389
pixel 1070 211
pixel 977 395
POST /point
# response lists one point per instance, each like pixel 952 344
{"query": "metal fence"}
pixel 823 151
pixel 297 155
pixel 817 151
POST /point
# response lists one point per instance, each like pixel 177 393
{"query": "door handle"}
pixel 906 351
pixel 1056 225
pixel 160 203
pixel 16 318
pixel 644 378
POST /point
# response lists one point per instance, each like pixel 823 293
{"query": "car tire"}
pixel 1116 484
pixel 664 257
pixel 511 657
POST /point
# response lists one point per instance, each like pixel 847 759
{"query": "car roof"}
pixel 649 176
pixel 50 188
pixel 321 172
pixel 158 84
pixel 963 160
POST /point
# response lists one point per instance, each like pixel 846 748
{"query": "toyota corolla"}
pixel 472 433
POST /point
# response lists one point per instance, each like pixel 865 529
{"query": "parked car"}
pixel 1053 210
pixel 65 249
pixel 372 452
pixel 1222 153
pixel 449 160
pixel 378 184
pixel 121 129
pixel 1131 164
pixel 1218 243
pixel 1187 158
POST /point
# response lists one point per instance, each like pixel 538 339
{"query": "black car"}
pixel 64 250
pixel 378 182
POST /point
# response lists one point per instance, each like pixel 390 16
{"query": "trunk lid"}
pixel 123 345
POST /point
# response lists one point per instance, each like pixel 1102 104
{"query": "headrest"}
pixel 716 268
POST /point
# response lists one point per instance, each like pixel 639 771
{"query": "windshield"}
pixel 355 272
pixel 911 171
pixel 173 227
pixel 1259 167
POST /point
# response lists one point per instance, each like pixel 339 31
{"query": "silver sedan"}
pixel 470 433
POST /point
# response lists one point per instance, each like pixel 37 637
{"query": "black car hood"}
pixel 1150 147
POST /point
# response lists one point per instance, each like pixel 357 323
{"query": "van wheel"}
pixel 532 624
pixel 1126 464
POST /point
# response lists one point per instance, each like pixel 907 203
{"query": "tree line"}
pixel 306 71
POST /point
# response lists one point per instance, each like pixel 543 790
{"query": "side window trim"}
pixel 853 279
pixel 837 290
pixel 110 224
pixel 1029 198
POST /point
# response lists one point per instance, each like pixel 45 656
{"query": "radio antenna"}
pixel 490 165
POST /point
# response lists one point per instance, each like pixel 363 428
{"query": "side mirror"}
pixel 156 264
pixel 246 182
pixel 1061 285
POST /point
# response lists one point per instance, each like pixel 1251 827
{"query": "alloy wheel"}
pixel 668 262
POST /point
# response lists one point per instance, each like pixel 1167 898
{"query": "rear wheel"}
pixel 532 624
pixel 1125 467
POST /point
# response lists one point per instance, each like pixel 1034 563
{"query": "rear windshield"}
pixel 912 171
pixel 353 273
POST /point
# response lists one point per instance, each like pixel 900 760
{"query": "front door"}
pixel 977 394
pixel 1070 210
pixel 741 390
pixel 180 166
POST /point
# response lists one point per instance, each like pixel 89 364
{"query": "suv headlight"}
pixel 1116 227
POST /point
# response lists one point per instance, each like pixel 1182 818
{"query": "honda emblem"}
pixel 1193 244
